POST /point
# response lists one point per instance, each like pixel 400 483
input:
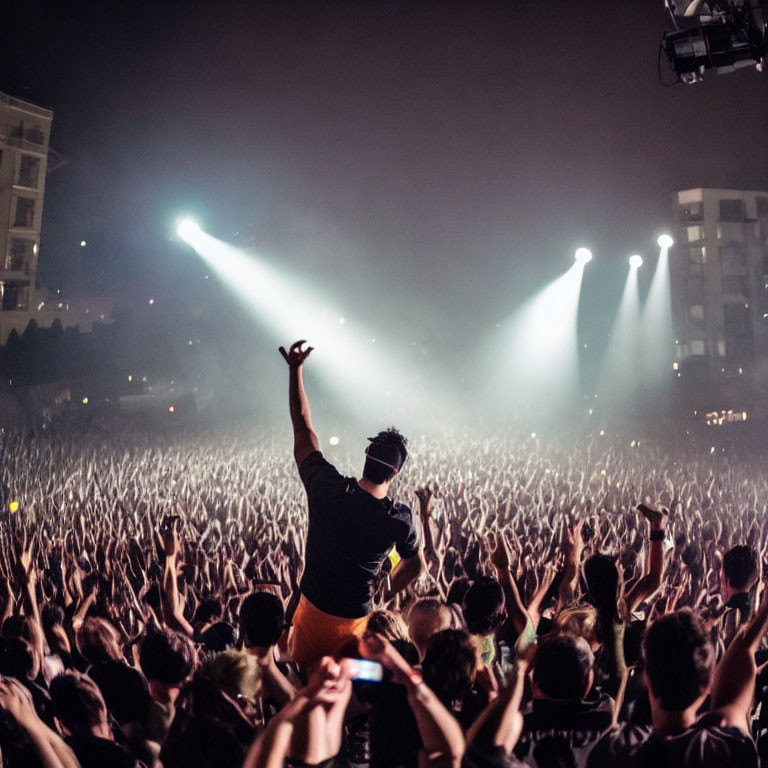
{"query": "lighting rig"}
pixel 723 35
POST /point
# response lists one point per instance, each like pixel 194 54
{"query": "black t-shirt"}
pixel 706 744
pixel 94 752
pixel 350 533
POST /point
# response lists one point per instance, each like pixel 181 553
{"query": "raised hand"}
pixel 500 554
pixel 296 356
pixel 330 683
pixel 654 516
pixel 426 501
pixel 15 700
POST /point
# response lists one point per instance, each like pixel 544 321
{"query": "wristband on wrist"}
pixel 657 536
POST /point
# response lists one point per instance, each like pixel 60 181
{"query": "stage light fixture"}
pixel 188 229
pixel 665 241
pixel 583 255
pixel 724 35
pixel 635 261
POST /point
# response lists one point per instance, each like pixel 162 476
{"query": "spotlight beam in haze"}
pixel 537 348
pixel 617 385
pixel 583 255
pixel 658 334
pixel 357 364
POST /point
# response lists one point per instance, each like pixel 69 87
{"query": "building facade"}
pixel 25 131
pixel 719 279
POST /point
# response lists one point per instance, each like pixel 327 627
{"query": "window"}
pixel 697 347
pixel 35 135
pixel 731 232
pixel 692 211
pixel 732 210
pixel 736 320
pixel 697 254
pixel 15 134
pixel 695 288
pixel 694 234
pixel 735 285
pixel 733 256
pixel 20 255
pixel 721 347
pixel 696 312
pixel 29 171
pixel 762 217
pixel 25 212
pixel 737 328
pixel 14 297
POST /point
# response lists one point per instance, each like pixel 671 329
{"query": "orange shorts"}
pixel 315 634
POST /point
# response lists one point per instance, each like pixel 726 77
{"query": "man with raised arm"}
pixel 353 525
pixel 680 674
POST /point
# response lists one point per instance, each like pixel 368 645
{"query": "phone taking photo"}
pixel 369 671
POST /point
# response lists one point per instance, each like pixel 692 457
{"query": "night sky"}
pixel 437 161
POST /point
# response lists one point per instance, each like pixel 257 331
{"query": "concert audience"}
pixel 559 614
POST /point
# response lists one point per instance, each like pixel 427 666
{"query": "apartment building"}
pixel 719 280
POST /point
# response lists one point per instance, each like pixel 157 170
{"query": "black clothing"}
pixel 124 689
pixel 736 613
pixel 42 702
pixel 395 738
pixel 559 733
pixel 706 744
pixel 93 752
pixel 350 534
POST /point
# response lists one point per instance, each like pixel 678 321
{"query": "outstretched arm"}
pixel 173 605
pixel 304 437
pixel 570 583
pixel 309 728
pixel 734 685
pixel 51 749
pixel 441 736
pixel 651 579
pixel 517 616
pixel 405 572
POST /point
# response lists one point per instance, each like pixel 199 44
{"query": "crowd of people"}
pixel 204 599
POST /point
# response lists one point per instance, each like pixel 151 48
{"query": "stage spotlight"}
pixel 583 255
pixel 188 229
pixel 665 241
pixel 290 308
pixel 635 261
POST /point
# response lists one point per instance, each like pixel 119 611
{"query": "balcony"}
pixel 17 267
pixel 32 140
